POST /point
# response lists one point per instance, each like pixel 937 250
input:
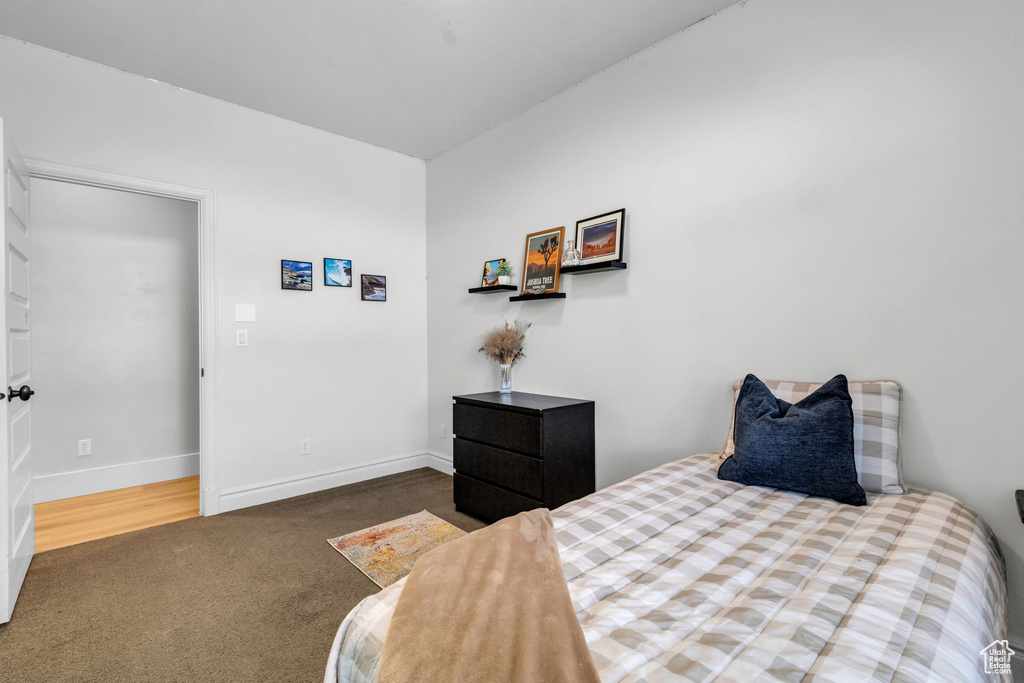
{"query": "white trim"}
pixel 209 500
pixel 440 462
pixel 98 479
pixel 288 487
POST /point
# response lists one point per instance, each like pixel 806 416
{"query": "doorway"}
pixel 116 344
pixel 17 518
pixel 204 200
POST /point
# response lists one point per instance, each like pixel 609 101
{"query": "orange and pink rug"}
pixel 386 552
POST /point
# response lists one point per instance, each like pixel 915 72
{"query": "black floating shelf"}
pixel 532 297
pixel 604 267
pixel 493 288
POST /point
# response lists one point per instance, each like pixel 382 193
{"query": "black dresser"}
pixel 516 452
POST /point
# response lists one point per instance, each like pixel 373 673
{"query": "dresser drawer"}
pixel 487 502
pixel 504 429
pixel 520 473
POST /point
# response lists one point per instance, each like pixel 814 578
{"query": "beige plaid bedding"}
pixel 678 576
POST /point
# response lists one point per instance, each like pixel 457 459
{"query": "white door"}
pixel 17 516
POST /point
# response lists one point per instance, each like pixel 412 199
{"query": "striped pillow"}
pixel 877 426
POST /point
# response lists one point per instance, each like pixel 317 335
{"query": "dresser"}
pixel 516 452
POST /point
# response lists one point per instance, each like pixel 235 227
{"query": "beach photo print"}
pixel 337 272
pixel 297 275
pixel 374 288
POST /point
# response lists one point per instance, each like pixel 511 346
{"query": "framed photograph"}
pixel 374 287
pixel 490 277
pixel 600 238
pixel 543 261
pixel 297 275
pixel 337 272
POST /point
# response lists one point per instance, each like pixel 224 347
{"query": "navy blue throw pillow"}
pixel 805 447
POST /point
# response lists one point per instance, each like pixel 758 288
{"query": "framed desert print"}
pixel 490 276
pixel 337 272
pixel 373 287
pixel 600 238
pixel 297 275
pixel 543 261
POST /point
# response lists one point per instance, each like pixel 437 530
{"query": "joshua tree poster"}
pixel 542 262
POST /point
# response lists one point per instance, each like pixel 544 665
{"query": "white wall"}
pixel 115 335
pixel 812 187
pixel 350 375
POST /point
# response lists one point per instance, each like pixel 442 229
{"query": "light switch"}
pixel 241 337
pixel 245 313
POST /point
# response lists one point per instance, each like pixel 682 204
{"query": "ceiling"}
pixel 414 76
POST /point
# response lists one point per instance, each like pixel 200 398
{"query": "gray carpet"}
pixel 252 595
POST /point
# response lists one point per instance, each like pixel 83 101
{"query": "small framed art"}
pixel 490 277
pixel 542 262
pixel 297 275
pixel 337 272
pixel 373 287
pixel 600 238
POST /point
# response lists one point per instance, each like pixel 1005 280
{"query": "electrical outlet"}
pixel 444 430
pixel 305 447
pixel 85 447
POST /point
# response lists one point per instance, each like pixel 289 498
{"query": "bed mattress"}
pixel 676 575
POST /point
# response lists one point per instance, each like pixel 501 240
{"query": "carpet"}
pixel 386 552
pixel 251 596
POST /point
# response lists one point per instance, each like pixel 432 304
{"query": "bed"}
pixel 676 575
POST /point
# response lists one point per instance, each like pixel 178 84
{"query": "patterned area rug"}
pixel 386 552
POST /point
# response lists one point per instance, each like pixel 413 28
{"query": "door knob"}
pixel 25 393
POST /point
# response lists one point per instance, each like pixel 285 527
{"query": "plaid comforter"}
pixel 678 576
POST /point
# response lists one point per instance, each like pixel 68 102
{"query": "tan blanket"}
pixel 491 606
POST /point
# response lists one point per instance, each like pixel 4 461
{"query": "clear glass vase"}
pixel 506 379
pixel 570 257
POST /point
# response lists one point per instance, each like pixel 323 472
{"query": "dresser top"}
pixel 520 402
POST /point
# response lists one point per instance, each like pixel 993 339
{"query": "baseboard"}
pixel 210 502
pixel 440 462
pixel 288 487
pixel 99 479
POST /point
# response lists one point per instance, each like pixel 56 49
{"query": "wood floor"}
pixel 66 522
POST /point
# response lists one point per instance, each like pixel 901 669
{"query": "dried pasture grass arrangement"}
pixel 504 344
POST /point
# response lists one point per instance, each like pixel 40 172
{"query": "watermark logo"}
pixel 997 657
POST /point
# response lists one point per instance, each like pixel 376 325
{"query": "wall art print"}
pixel 543 261
pixel 337 272
pixel 600 238
pixel 373 287
pixel 297 275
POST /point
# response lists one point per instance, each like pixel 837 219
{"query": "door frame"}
pixel 209 488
